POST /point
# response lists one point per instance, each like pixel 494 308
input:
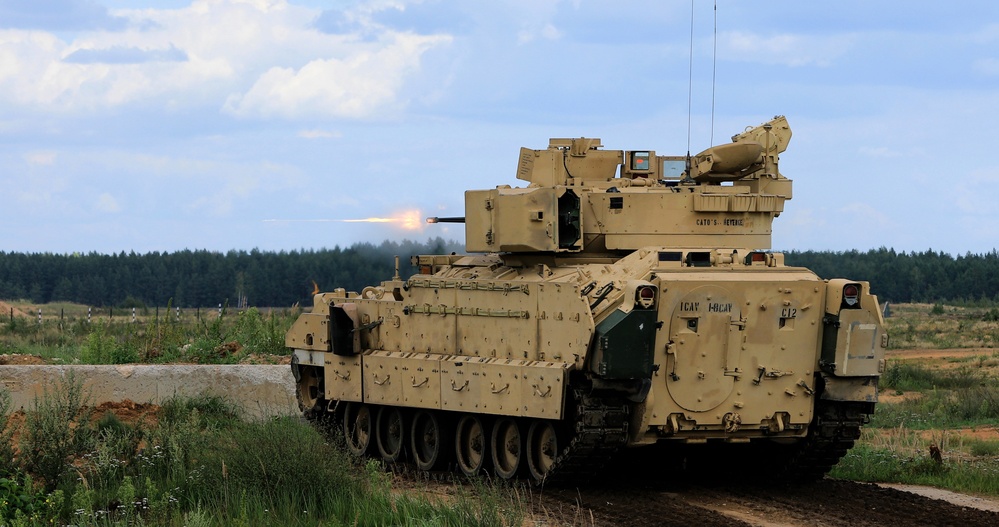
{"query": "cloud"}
pixel 40 158
pixel 879 151
pixel 974 195
pixel 125 55
pixel 787 49
pixel 354 87
pixel 545 31
pixel 256 59
pixel 319 134
pixel 107 203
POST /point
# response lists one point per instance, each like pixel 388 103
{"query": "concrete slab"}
pixel 262 390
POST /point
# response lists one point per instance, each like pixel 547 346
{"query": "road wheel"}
pixel 389 433
pixel 428 440
pixel 308 391
pixel 357 423
pixel 507 447
pixel 543 444
pixel 471 445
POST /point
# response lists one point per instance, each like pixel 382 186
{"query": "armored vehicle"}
pixel 620 299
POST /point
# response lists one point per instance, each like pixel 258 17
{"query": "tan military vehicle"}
pixel 620 299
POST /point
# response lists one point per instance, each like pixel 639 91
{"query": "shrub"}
pixel 21 504
pixel 257 334
pixel 55 428
pixel 102 347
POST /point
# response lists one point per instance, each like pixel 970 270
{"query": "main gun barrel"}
pixel 453 219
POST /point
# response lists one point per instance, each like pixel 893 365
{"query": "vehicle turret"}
pixel 584 200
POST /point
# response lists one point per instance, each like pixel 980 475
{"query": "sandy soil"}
pixel 5 310
pixel 20 360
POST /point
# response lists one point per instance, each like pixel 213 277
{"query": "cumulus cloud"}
pixel 260 58
pixel 353 87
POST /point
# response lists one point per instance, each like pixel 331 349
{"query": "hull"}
pixel 733 351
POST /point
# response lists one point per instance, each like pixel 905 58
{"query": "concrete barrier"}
pixel 262 390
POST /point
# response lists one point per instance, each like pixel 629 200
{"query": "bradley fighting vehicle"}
pixel 620 299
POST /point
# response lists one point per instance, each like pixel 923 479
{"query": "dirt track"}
pixel 825 503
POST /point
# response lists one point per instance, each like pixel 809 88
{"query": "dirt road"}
pixel 826 503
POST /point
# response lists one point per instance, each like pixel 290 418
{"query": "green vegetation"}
pixel 941 326
pixel 203 278
pixel 201 464
pixel 886 465
pixel 924 433
pixel 929 276
pixel 193 336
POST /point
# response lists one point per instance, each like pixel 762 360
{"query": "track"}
pixel 825 503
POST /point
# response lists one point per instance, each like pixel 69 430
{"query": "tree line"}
pixel 205 278
pixel 263 278
pixel 927 276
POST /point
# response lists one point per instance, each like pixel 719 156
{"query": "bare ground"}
pixel 825 503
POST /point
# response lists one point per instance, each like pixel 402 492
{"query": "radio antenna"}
pixel 714 69
pixel 690 78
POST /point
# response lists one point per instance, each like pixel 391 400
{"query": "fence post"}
pixel 89 309
pixel 178 313
pixel 39 315
pixel 133 315
pixel 220 310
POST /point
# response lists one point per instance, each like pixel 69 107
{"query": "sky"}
pixel 163 125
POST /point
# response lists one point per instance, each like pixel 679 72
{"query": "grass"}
pixel 203 464
pixel 913 326
pixel 66 336
pixel 937 430
pixel 885 465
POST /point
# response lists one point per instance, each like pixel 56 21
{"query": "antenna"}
pixel 690 79
pixel 714 68
pixel 690 74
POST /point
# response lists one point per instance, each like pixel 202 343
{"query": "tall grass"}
pixel 914 441
pixel 202 464
pixel 885 465
pixel 201 337
pixel 948 398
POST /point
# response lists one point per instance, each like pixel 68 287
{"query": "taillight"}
pixel 851 295
pixel 645 296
